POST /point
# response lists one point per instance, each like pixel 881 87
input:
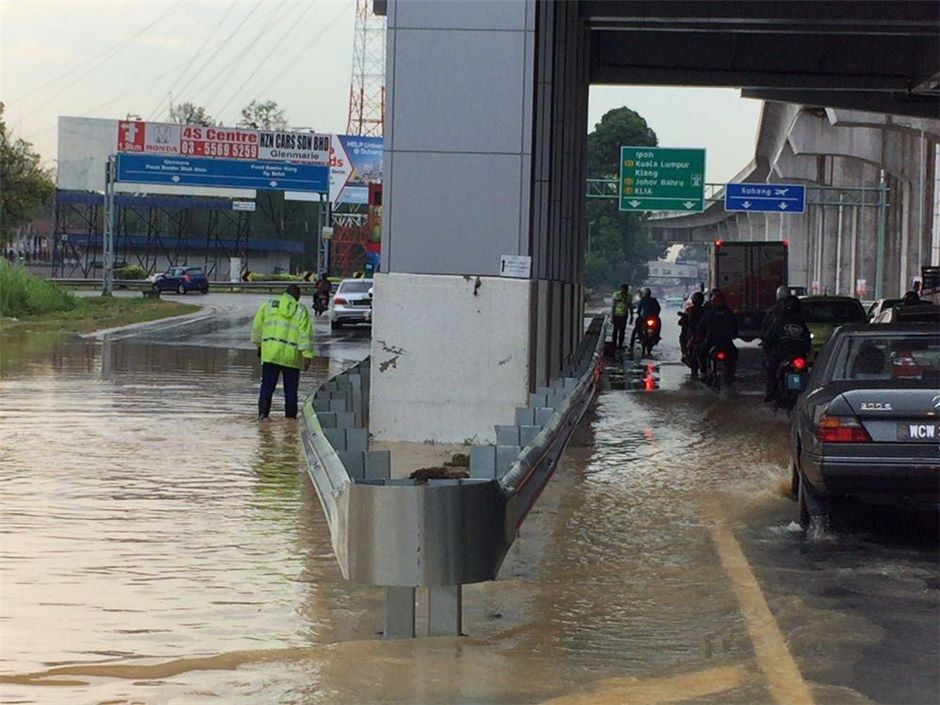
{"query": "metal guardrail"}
pixel 147 285
pixel 440 534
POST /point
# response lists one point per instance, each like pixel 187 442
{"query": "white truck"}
pixel 748 274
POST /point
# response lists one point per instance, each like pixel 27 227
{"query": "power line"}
pixel 305 47
pixel 216 52
pixel 104 56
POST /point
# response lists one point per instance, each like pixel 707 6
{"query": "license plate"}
pixel 913 431
pixel 796 381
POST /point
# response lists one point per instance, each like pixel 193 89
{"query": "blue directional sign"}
pixel 765 198
pixel 222 173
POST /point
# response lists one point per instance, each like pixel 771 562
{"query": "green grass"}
pixel 31 304
pixel 22 294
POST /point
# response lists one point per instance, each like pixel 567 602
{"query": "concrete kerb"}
pixel 205 313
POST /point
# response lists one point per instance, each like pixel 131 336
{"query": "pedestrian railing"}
pixel 402 533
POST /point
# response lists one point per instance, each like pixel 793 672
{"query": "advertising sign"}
pixel 222 142
pixel 295 147
pixel 229 173
pixel 662 179
pixel 355 162
pixel 765 198
pixel 148 137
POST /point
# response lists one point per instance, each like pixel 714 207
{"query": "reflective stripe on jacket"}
pixel 621 303
pixel 283 330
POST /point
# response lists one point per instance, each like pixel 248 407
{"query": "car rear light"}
pixel 841 429
pixel 339 301
pixel 799 364
pixel 721 356
pixel 903 365
pixel 650 322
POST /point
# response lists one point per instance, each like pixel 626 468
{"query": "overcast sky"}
pixel 111 59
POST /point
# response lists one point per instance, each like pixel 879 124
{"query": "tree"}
pixel 190 114
pixel 263 116
pixel 24 183
pixel 618 248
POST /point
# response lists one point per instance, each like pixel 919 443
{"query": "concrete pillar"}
pixel 484 139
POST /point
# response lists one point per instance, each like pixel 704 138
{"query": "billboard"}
pixel 355 162
pixel 221 142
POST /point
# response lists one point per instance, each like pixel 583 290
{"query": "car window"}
pixel 357 286
pixel 832 312
pixel 194 270
pixel 893 356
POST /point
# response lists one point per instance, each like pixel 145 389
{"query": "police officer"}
pixel 621 311
pixel 283 332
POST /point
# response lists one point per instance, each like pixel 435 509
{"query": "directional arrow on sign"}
pixel 746 204
pixel 689 204
pixel 782 206
pixel 273 184
pixel 634 203
pixel 176 178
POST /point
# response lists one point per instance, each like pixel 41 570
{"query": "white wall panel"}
pixel 449 358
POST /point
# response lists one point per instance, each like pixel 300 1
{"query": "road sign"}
pixel 765 198
pixel 222 173
pixel 243 205
pixel 662 179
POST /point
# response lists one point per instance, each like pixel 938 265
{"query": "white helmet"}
pixel 783 292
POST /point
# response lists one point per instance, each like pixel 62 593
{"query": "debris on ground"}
pixel 439 473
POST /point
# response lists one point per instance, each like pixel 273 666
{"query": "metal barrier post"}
pixel 399 613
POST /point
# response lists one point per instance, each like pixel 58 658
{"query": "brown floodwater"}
pixel 160 546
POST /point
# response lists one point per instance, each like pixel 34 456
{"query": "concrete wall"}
pixel 448 358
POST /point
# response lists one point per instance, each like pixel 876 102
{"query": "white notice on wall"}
pixel 515 266
pixel 243 205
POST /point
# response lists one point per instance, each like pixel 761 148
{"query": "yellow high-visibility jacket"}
pixel 283 329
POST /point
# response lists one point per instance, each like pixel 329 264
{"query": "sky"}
pixel 119 58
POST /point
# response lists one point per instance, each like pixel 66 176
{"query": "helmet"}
pixel 647 292
pixel 698 298
pixel 715 297
pixel 783 291
pixel 910 299
pixel 790 305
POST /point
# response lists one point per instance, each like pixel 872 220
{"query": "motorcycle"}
pixel 719 368
pixel 648 335
pixel 791 381
pixel 321 302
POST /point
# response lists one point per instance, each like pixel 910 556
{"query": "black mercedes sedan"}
pixel 868 424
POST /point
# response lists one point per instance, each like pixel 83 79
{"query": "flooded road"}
pixel 160 546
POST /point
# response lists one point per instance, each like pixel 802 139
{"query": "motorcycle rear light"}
pixel 799 364
pixel 841 429
pixel 339 301
pixel 651 322
pixel 721 355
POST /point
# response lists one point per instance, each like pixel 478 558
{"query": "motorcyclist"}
pixel 321 296
pixel 646 307
pixel 621 314
pixel 786 337
pixel 911 298
pixel 717 328
pixel 688 322
pixel 781 294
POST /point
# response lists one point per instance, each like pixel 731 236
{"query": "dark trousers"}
pixel 269 374
pixel 620 330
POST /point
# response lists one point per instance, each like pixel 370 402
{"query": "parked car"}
pixel 823 314
pixel 920 313
pixel 182 280
pixel 351 303
pixel 868 424
pixel 881 305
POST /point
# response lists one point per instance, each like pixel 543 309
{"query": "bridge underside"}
pixel 485 137
pixel 873 56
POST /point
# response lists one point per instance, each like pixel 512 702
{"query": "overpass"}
pixel 485 132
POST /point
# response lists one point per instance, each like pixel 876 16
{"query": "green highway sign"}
pixel 662 179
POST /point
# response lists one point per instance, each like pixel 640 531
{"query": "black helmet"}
pixel 698 298
pixel 790 305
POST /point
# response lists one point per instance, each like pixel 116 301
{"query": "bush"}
pixel 22 294
pixel 131 271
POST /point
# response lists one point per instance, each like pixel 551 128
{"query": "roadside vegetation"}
pixel 29 303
